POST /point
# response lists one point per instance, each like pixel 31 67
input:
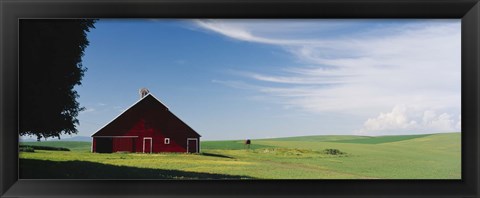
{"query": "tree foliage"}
pixel 50 56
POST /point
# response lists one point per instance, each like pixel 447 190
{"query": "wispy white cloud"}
pixel 237 84
pixel 238 31
pixel 323 77
pixel 363 72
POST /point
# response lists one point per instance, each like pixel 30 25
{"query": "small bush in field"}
pixel 333 152
pixel 26 149
pixel 48 148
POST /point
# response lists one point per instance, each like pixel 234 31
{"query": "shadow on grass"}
pixel 45 169
pixel 217 155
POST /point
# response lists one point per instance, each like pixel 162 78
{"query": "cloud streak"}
pixel 362 72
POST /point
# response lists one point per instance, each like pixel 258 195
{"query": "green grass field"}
pixel 73 146
pixel 434 156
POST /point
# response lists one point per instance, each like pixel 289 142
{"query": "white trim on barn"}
pixel 196 140
pixel 151 143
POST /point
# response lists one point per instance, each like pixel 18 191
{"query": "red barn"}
pixel 146 127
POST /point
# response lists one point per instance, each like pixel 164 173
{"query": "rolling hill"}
pixel 429 156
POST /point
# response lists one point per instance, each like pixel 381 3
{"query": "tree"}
pixel 50 56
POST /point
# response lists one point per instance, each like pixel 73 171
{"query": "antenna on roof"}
pixel 143 92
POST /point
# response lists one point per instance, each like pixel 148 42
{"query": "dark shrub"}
pixel 26 149
pixel 49 148
pixel 333 152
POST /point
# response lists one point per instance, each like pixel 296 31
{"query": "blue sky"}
pixel 237 79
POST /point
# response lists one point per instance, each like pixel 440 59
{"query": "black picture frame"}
pixel 13 10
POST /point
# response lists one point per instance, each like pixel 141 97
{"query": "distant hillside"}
pixel 78 139
pixel 72 139
pixel 319 138
pixel 72 145
pixel 382 139
pixel 353 138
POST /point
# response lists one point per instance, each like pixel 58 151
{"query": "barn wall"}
pixel 123 144
pixel 159 145
pixel 148 127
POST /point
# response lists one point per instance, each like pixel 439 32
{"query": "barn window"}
pixel 167 140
